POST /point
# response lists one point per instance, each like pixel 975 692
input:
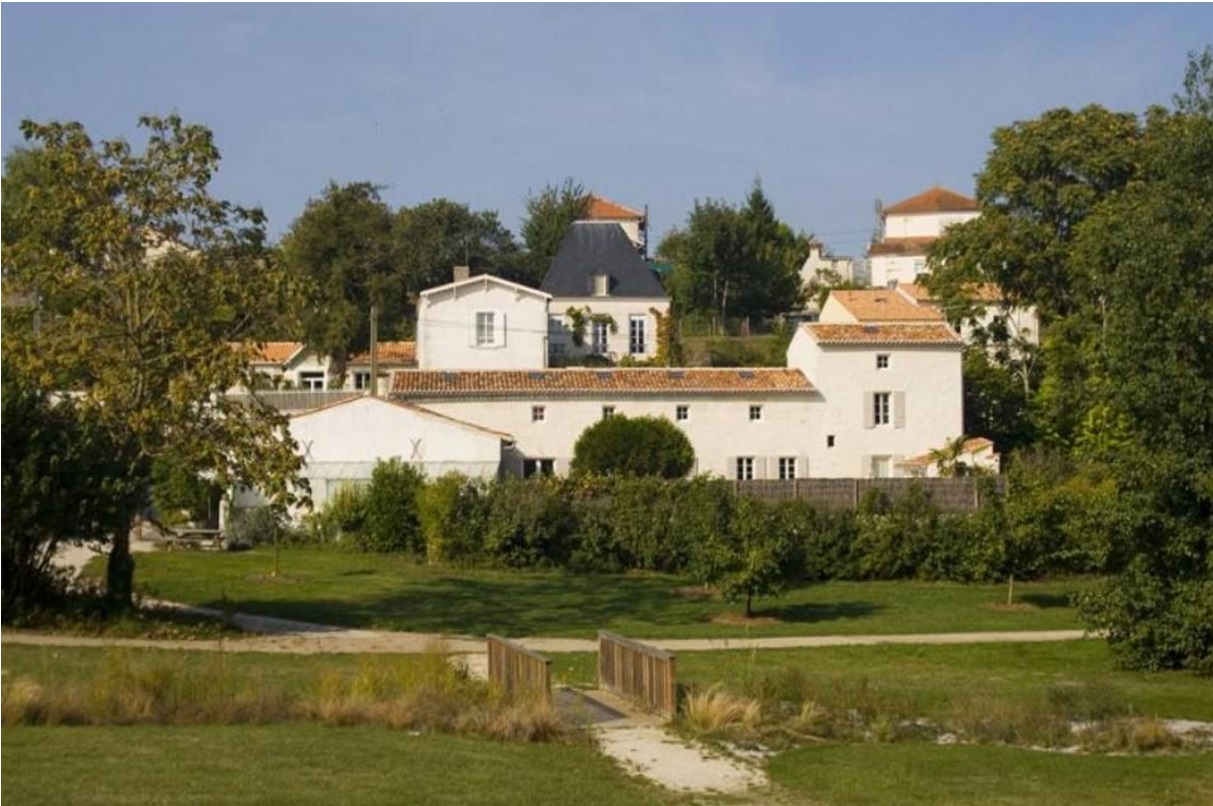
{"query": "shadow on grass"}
pixel 1047 600
pixel 816 613
pixel 518 606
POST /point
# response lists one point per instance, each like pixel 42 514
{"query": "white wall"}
pixel 886 269
pixel 926 391
pixel 342 444
pixel 622 309
pixel 923 225
pixel 719 428
pixel 816 263
pixel 446 326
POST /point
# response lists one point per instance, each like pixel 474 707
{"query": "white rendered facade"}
pixel 482 323
pixel 634 333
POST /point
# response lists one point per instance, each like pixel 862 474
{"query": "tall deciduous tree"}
pixel 736 261
pixel 1155 243
pixel 141 280
pixel 549 214
pixel 1041 180
pixel 342 246
pixel 433 237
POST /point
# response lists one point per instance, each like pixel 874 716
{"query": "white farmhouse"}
pixel 908 229
pixel 742 423
pixel 598 277
pixel 482 322
pixel 889 391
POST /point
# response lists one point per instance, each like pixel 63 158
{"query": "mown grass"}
pixel 933 681
pixel 919 773
pixel 387 592
pixel 298 765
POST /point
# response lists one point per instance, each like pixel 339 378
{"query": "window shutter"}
pixel 899 409
pixel 869 409
pixel 499 328
pixel 730 468
pixel 471 329
pixel 802 467
pixel 760 467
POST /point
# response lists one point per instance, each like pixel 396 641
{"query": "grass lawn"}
pixel 934 680
pixel 387 592
pixel 295 765
pixel 917 773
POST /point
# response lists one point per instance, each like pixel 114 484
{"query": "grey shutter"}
pixel 869 409
pixel 899 409
pixel 472 329
pixel 498 328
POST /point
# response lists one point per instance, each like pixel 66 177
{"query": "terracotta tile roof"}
pixel 901 246
pixel 595 382
pixel 934 200
pixel 390 352
pixel 883 305
pixel 891 334
pixel 270 352
pixel 606 210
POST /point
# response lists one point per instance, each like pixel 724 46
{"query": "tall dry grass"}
pixel 422 692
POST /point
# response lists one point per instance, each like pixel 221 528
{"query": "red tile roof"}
pixel 891 334
pixel 902 246
pixel 593 382
pixel 270 352
pixel 389 352
pixel 934 200
pixel 606 210
pixel 883 305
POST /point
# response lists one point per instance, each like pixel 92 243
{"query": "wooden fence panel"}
pixel 960 494
pixel 516 669
pixel 639 672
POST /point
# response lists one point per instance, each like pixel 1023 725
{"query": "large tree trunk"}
pixel 120 571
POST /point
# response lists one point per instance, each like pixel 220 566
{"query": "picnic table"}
pixel 194 538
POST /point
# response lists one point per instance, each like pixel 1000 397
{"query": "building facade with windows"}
pixel 482 322
pixel 748 423
pixel 908 229
pixel 892 391
pixel 605 299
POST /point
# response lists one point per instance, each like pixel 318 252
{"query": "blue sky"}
pixel 831 106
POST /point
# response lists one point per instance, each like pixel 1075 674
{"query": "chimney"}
pixel 462 273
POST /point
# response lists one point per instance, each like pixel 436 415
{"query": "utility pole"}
pixel 374 384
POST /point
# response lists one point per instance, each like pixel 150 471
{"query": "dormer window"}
pixel 602 285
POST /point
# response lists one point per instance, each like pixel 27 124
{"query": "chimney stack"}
pixel 462 273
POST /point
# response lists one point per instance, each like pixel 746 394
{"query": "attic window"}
pixel 603 376
pixel 677 374
pixel 745 375
pixel 870 329
pixel 537 376
pixel 602 284
pixel 449 377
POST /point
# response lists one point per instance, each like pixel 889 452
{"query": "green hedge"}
pixel 699 527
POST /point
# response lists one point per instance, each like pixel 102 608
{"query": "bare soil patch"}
pixel 742 620
pixel 1017 607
